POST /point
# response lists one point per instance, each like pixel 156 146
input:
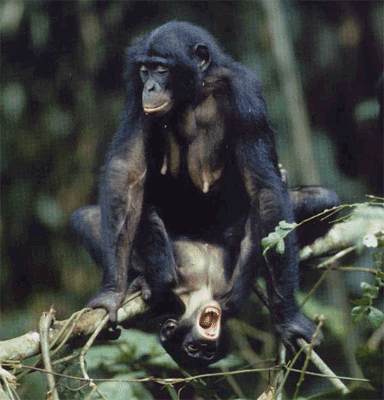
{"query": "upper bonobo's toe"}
pixel 111 301
pixel 299 327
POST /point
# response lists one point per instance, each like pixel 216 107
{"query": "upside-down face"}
pixel 194 339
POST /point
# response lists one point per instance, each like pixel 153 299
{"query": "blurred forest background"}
pixel 62 91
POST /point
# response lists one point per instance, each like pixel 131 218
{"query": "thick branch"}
pixel 28 345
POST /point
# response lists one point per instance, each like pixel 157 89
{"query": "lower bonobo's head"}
pixel 195 339
pixel 168 65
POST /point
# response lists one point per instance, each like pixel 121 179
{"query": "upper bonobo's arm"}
pixel 257 160
pixel 121 200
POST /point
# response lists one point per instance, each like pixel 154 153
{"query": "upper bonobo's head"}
pixel 195 340
pixel 167 66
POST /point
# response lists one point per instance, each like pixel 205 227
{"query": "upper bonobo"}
pixel 194 143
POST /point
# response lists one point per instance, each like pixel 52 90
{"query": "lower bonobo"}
pixel 189 280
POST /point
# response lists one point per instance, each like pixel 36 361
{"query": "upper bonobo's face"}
pixel 157 96
pixel 169 80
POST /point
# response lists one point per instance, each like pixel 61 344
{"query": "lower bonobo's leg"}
pixel 309 201
pixel 86 224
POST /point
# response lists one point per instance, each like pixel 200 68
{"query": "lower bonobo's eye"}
pixel 192 347
pixel 168 329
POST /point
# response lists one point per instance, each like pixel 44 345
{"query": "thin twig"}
pixel 322 366
pixel 280 374
pixel 326 264
pixel 308 357
pixel 89 343
pixel 45 323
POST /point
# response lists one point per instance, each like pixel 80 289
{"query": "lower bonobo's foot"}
pixel 110 300
pixel 298 327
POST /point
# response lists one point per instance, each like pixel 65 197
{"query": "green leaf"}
pixel 280 248
pixel 364 301
pixel 287 225
pixel 358 313
pixel 377 257
pixel 380 274
pixel 270 240
pixel 369 290
pixel 375 317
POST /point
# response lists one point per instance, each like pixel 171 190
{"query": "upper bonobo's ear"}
pixel 202 53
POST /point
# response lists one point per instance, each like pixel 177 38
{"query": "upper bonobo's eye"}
pixel 161 70
pixel 143 71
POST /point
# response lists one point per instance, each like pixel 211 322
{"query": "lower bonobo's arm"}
pixel 121 200
pixel 154 248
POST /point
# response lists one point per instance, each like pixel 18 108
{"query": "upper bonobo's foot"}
pixel 298 327
pixel 110 300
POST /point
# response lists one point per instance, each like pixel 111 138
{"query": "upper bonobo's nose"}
pixel 150 86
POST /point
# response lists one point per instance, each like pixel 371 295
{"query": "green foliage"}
pixel 276 238
pixel 364 309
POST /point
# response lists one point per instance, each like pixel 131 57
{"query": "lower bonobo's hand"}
pixel 151 294
pixel 140 284
pixel 110 300
pixel 298 327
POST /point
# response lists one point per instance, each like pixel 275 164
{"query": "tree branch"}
pixel 29 345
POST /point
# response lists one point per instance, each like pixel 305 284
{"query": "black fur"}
pixel 203 165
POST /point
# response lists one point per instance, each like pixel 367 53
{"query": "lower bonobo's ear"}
pixel 202 53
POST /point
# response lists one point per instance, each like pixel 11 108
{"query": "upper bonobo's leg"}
pixel 283 270
pixel 121 200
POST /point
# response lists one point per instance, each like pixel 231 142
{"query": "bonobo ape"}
pixel 194 310
pixel 194 142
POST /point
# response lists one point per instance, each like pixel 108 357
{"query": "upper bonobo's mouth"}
pixel 209 322
pixel 164 107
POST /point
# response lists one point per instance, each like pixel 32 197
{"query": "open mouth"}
pixel 209 322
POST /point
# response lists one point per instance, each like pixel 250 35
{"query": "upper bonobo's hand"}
pixel 108 299
pixel 297 327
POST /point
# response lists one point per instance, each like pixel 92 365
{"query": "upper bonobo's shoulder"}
pixel 217 81
pixel 246 79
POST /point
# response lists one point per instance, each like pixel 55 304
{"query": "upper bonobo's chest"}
pixel 196 144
